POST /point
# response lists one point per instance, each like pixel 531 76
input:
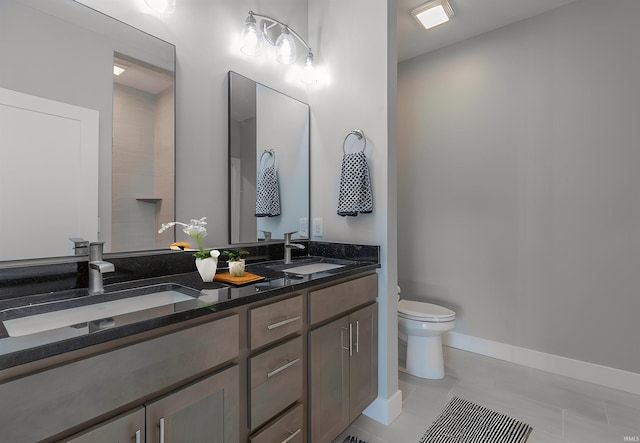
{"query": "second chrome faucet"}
pixel 97 267
pixel 288 246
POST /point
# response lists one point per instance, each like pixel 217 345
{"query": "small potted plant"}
pixel 235 259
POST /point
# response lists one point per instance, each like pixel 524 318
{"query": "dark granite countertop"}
pixel 209 298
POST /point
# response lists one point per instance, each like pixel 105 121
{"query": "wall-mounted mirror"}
pixel 55 192
pixel 268 162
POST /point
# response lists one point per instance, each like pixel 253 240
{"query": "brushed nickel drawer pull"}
pixel 283 322
pixel 357 337
pixel 350 340
pixel 138 436
pixel 282 368
pixel 162 430
pixel 291 437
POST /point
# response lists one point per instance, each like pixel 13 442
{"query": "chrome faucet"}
pixel 97 267
pixel 288 246
pixel 80 246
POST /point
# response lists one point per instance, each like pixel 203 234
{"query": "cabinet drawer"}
pixel 286 429
pixel 272 322
pixel 276 381
pixel 332 301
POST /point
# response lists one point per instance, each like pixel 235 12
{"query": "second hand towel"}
pixel 355 186
pixel 268 193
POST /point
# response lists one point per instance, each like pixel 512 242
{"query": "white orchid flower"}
pixel 196 229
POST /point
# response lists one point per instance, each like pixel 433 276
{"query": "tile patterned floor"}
pixel 560 409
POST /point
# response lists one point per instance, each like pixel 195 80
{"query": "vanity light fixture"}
pixel 433 13
pixel 252 38
pixel 162 6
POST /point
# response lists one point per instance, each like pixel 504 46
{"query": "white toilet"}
pixel 422 325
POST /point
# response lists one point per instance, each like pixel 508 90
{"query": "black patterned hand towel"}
pixel 355 186
pixel 267 193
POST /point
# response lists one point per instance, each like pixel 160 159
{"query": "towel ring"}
pixel 359 133
pixel 272 153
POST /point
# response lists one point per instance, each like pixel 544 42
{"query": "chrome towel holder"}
pixel 359 134
pixel 272 154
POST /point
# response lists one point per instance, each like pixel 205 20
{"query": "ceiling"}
pixel 137 76
pixel 472 18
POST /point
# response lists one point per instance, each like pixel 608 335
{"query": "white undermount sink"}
pixel 29 322
pixel 312 268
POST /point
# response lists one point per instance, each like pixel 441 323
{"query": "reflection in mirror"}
pixel 72 68
pixel 268 161
pixel 47 148
pixel 143 153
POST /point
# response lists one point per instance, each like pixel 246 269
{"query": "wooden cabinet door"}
pixel 329 380
pixel 126 428
pixel 363 364
pixel 203 412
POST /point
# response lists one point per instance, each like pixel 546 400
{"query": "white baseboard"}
pixel 385 410
pixel 590 372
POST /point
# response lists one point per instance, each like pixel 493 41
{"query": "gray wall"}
pixel 518 183
pixel 291 147
pixel 143 167
pixel 358 91
pixel 165 152
pixel 133 169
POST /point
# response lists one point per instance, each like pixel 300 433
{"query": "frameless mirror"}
pixel 75 163
pixel 268 162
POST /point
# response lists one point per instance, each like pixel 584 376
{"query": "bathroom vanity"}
pixel 258 363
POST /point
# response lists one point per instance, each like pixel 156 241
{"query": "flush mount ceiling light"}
pixel 119 68
pixel 253 36
pixel 162 6
pixel 433 13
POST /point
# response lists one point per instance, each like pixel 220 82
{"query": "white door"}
pixel 48 176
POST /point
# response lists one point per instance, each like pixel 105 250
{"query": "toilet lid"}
pixel 424 311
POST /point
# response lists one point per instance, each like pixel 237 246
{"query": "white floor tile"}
pixel 580 429
pixel 560 409
pixel 623 416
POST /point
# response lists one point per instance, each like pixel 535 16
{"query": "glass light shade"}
pixel 162 6
pixel 251 40
pixel 309 75
pixel 285 48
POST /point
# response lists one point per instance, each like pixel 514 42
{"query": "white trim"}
pixel 385 410
pixel 581 370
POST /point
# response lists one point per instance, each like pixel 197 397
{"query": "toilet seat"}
pixel 425 312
